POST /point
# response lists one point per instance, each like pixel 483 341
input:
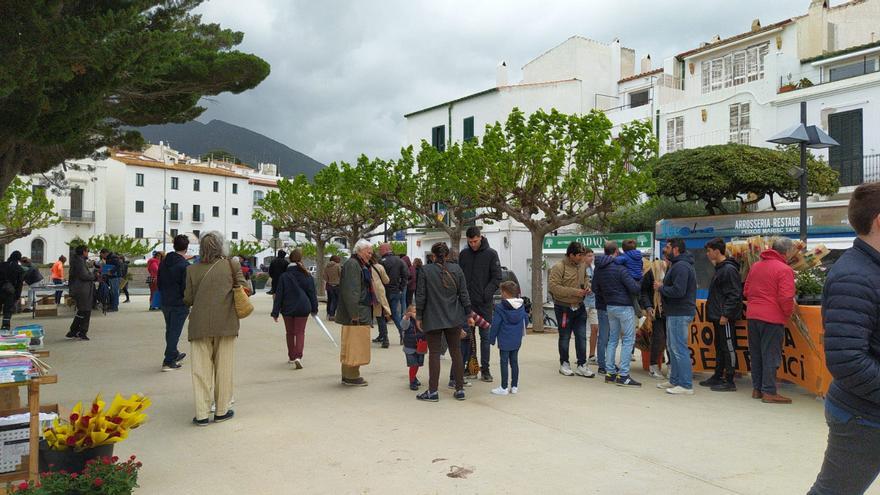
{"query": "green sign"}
pixel 596 242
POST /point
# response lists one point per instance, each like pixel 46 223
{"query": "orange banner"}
pixel 801 365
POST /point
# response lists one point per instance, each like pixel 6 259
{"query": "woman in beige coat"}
pixel 213 327
pixel 382 310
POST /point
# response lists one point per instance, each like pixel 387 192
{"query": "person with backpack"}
pixel 171 286
pixel 295 299
pixel 112 272
pixel 11 280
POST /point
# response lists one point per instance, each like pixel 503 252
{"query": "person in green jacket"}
pixel 355 313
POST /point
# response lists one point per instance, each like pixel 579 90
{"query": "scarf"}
pixel 367 277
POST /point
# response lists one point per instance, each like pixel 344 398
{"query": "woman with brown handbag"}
pixel 213 326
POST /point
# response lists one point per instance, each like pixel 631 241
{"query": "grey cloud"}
pixel 345 72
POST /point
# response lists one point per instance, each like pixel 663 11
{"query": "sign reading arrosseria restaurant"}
pixel 596 242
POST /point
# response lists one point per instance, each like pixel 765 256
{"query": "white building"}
pixel 155 195
pixel 726 90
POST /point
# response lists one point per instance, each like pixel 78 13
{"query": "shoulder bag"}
pixel 243 306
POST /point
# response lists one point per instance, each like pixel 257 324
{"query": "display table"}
pixel 801 363
pixel 33 291
pixel 30 469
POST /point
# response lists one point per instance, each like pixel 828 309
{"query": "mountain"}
pixel 195 138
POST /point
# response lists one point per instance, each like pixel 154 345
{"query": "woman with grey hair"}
pixel 213 327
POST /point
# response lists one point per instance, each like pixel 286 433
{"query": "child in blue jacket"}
pixel 414 347
pixel 508 327
pixel 632 260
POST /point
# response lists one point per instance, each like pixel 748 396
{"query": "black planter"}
pixel 810 300
pixel 259 284
pixel 69 460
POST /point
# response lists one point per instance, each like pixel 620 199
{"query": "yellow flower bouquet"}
pixel 97 426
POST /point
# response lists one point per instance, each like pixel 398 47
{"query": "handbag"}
pixel 243 306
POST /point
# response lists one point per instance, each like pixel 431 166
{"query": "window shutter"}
pixel 704 73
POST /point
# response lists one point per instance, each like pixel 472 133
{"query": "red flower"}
pixel 105 460
pixel 70 441
pixel 74 417
pixel 74 476
pixel 95 409
pixel 138 464
pixel 23 485
pixel 98 482
pixel 114 458
pixel 133 457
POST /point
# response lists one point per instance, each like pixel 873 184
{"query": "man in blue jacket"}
pixel 172 282
pixel 678 292
pixel 613 284
pixel 851 318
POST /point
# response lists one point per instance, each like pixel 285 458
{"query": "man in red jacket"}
pixel 769 292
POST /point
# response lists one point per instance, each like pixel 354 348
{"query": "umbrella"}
pixel 324 328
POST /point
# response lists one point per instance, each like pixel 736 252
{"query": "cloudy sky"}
pixel 344 72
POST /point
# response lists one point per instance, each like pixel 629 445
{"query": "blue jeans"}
pixel 175 316
pixel 394 301
pixel 576 323
pixel 680 371
pixel 622 324
pixel 602 340
pixel 511 357
pixel 114 293
pixel 58 293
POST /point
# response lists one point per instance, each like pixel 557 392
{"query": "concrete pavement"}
pixel 301 431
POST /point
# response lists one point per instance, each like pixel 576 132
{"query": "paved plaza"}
pixel 303 432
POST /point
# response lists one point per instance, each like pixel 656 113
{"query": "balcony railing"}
pixel 750 136
pixel 198 217
pixel 78 216
pixel 857 170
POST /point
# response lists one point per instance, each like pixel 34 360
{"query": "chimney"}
pixel 716 39
pixel 501 74
pixel 646 64
pixel 756 25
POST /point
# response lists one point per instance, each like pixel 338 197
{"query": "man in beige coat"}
pixel 569 285
pixel 355 313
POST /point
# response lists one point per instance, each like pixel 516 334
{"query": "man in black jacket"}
pixel 398 278
pixel 11 280
pixel 851 319
pixel 678 293
pixel 276 268
pixel 172 282
pixel 723 309
pixel 482 271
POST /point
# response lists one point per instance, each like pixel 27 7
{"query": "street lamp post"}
pixel 805 137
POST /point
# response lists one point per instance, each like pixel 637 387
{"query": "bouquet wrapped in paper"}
pixel 97 426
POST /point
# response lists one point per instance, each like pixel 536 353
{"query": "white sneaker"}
pixel 665 385
pixel 592 360
pixel 585 371
pixel 298 364
pixel 565 369
pixel 677 390
pixel 655 373
pixel 514 390
pixel 499 391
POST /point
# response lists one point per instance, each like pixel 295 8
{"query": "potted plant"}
pixel 789 86
pixel 104 475
pixel 805 83
pixel 68 445
pixel 260 280
pixel 808 286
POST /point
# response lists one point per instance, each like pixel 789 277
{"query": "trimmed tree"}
pixel 748 174
pixel 441 188
pixel 73 74
pixel 553 170
pixel 23 210
pixel 245 249
pixel 124 245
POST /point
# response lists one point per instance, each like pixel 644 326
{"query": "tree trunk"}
pixel 320 244
pixel 455 240
pixel 537 281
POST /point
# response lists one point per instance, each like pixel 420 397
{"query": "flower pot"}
pixel 259 283
pixel 786 88
pixel 70 460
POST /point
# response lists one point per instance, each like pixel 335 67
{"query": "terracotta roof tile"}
pixel 733 39
pixel 639 76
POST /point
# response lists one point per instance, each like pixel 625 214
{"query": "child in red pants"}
pixel 414 347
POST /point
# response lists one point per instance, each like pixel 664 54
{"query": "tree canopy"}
pixel 73 74
pixel 551 170
pixel 124 245
pixel 714 174
pixel 24 209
